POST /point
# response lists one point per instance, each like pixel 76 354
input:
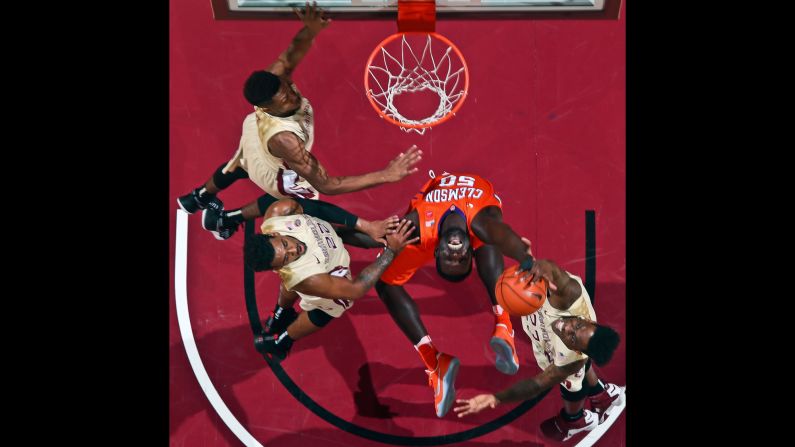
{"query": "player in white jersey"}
pixel 314 265
pixel 565 339
pixel 277 139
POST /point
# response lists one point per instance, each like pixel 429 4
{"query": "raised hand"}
pixel 401 236
pixel 476 404
pixel 313 17
pixel 403 164
pixel 541 269
pixel 529 246
pixel 378 229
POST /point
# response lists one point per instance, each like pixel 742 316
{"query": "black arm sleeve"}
pixel 317 208
pixel 357 238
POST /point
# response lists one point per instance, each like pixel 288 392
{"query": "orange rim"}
pixel 416 126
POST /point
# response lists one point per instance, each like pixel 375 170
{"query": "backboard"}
pixel 384 9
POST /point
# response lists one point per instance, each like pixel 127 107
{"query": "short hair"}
pixel 452 278
pixel 260 87
pixel 602 344
pixel 440 248
pixel 258 252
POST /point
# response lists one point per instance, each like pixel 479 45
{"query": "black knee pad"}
pixel 264 201
pixel 575 396
pixel 223 181
pixel 319 318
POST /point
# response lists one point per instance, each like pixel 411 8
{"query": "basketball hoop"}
pixel 416 62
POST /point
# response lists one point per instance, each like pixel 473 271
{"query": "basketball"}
pixel 515 298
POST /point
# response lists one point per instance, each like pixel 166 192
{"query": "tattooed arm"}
pixel 532 387
pixel 334 287
pixel 522 390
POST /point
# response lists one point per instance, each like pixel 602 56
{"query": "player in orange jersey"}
pixel 457 217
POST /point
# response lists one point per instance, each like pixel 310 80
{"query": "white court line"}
pixel 597 433
pixel 181 297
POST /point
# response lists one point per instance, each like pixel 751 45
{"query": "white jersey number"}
pixel 462 181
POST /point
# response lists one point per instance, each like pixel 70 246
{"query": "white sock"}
pixel 426 340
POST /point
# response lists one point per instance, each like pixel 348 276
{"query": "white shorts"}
pixel 334 308
pixel 278 182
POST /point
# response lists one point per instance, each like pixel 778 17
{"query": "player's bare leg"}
pixel 301 327
pixel 283 314
pixel 441 368
pixel 403 310
pixel 490 265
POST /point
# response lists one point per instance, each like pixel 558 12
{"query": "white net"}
pixel 433 71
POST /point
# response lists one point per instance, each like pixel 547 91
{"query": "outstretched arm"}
pixel 270 206
pixel 530 388
pixel 489 228
pixel 333 287
pixel 359 239
pixel 374 231
pixel 367 234
pixel 523 390
pixel 313 19
pixel 288 147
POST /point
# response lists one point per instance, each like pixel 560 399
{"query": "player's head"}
pixel 454 255
pixel 579 334
pixel 272 251
pixel 258 252
pixel 271 93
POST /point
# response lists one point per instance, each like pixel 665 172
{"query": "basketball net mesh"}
pixel 411 74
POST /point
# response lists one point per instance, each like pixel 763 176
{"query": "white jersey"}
pixel 547 346
pixel 271 173
pixel 325 254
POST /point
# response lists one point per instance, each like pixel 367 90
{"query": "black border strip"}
pixel 590 253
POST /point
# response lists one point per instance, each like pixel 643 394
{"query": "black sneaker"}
pixel 218 224
pixel 279 323
pixel 192 202
pixel 277 345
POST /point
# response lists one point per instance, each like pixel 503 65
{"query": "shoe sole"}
pixel 504 361
pixel 449 385
pixel 216 234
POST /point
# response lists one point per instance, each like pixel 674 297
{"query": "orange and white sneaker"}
pixel 442 381
pixel 507 362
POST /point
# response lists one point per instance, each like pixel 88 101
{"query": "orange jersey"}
pixel 468 193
